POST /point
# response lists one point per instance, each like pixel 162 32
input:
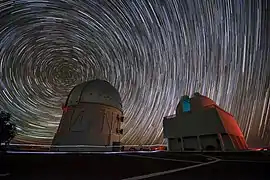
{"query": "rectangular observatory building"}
pixel 201 125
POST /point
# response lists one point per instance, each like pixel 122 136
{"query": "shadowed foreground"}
pixel 252 165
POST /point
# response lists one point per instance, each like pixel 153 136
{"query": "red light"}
pixel 255 149
pixel 65 109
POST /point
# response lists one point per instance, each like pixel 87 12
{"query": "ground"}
pixel 135 165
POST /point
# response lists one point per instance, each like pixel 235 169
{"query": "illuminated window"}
pixel 186 105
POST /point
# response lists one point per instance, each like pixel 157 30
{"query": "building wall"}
pixel 174 144
pixel 207 124
pixel 89 124
pixel 190 143
pixel 199 123
pixel 229 123
pixel 210 142
pixel 236 137
pixel 228 144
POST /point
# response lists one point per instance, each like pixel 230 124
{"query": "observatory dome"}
pixel 195 103
pixel 95 91
pixel 199 102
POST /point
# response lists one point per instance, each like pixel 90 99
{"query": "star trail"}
pixel 153 52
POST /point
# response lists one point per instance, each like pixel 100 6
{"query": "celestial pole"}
pixel 153 52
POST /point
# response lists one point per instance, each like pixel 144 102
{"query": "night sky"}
pixel 153 52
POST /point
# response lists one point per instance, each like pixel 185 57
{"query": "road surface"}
pixel 135 165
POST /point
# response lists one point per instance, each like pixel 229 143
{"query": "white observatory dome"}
pixel 95 91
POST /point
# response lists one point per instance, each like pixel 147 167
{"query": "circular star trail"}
pixel 153 52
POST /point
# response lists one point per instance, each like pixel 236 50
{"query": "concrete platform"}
pixel 135 165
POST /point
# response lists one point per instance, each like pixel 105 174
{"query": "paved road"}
pixel 152 166
pixel 222 171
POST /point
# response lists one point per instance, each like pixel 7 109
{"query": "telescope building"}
pixel 201 125
pixel 91 120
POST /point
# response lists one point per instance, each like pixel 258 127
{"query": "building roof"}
pixel 95 91
pixel 198 102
